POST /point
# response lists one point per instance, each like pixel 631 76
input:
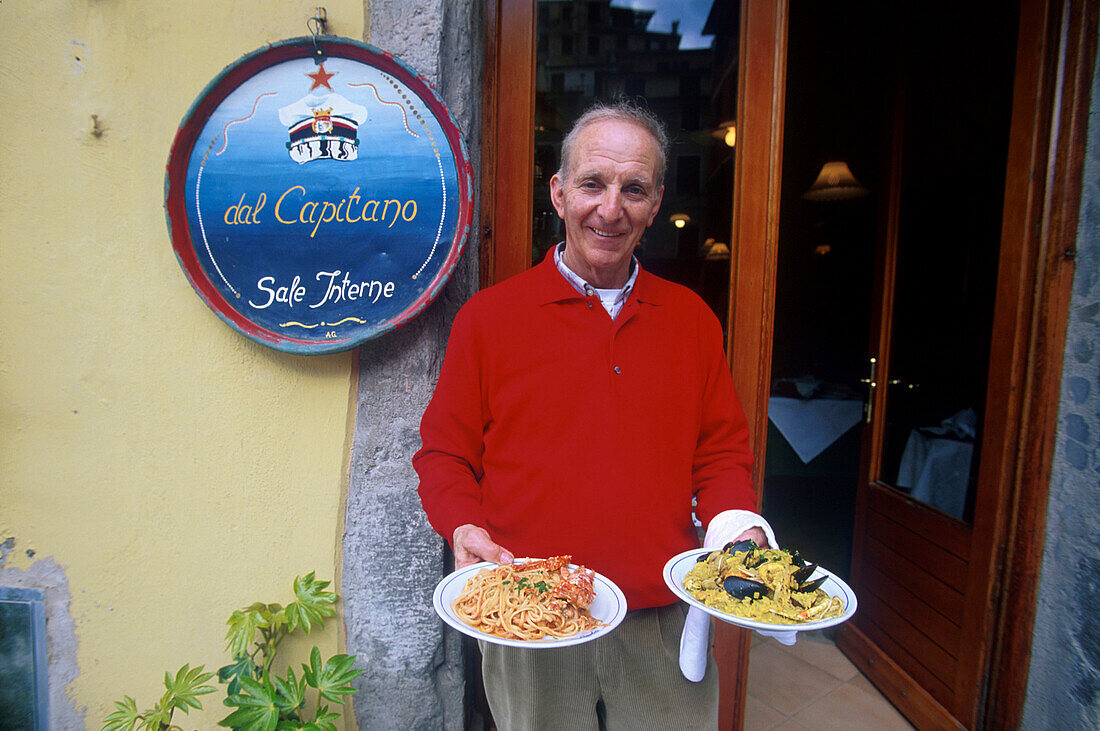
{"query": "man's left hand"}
pixel 756 535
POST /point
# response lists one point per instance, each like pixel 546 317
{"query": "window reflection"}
pixel 679 59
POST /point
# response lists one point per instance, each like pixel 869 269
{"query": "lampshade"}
pixel 717 251
pixel 835 182
pixel 679 220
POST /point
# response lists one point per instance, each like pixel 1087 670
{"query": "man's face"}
pixel 609 200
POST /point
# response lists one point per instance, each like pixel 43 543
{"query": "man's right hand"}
pixel 472 544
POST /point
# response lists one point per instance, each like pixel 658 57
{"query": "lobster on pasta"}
pixel 530 600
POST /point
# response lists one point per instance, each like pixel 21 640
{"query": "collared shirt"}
pixel 611 299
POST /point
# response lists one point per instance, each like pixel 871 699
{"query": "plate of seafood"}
pixel 760 588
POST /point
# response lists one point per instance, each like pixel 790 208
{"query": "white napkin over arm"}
pixel 695 640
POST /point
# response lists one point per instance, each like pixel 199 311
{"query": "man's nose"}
pixel 611 203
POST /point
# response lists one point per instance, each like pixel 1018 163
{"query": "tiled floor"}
pixel 812 685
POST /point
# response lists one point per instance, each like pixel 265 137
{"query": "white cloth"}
pixel 695 640
pixel 935 466
pixel 811 425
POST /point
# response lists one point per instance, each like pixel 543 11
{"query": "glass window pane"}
pixel 680 59
pixel 948 244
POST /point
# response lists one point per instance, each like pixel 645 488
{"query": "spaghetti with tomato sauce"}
pixel 529 600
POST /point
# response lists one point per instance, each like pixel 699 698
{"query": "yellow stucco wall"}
pixel 173 469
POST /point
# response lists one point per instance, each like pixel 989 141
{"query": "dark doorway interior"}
pixel 837 103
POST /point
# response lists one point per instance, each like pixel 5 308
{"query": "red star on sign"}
pixel 320 78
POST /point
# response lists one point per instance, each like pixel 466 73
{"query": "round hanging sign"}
pixel 318 194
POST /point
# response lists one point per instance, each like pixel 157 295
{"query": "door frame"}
pixel 754 247
pixel 1050 109
pixel 1056 51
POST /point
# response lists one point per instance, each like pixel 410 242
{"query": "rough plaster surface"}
pixel 1064 680
pixel 61 669
pixel 413 676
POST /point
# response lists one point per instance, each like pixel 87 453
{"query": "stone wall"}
pixel 392 558
pixel 1064 681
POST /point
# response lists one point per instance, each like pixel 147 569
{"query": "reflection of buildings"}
pixel 592 50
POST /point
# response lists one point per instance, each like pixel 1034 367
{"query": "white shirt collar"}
pixel 611 299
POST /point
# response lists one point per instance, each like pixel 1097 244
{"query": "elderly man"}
pixel 581 406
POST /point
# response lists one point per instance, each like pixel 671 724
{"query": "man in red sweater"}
pixel 581 406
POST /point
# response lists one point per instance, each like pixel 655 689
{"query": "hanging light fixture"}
pixel 835 182
pixel 727 132
pixel 717 251
pixel 679 220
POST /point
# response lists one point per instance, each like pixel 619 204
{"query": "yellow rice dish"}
pixel 761 584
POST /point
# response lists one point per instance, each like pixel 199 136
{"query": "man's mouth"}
pixel 605 234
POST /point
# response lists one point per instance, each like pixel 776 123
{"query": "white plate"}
pixel 609 607
pixel 678 566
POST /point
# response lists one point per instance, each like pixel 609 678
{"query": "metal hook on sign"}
pixel 318 26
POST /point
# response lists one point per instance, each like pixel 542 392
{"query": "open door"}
pixel 918 566
pixel 936 491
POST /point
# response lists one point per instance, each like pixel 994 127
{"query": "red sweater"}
pixel 561 431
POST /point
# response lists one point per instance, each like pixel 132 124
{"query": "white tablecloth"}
pixel 935 466
pixel 811 425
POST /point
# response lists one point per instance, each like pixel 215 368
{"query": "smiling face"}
pixel 609 199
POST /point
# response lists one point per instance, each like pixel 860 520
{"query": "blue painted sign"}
pixel 318 194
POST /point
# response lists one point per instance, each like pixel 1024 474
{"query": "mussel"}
pixel 740 588
pixel 756 558
pixel 799 577
pixel 743 545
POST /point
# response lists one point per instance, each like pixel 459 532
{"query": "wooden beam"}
pixel 508 149
pixel 755 249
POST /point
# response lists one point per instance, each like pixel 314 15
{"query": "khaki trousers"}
pixel 629 679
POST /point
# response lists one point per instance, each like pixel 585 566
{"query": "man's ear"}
pixel 557 195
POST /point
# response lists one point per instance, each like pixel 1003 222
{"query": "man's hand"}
pixel 472 544
pixel 755 534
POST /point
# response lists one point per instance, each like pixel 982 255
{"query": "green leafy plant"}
pixel 181 693
pixel 262 699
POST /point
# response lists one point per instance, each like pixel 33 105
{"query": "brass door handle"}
pixel 871 386
pixel 904 384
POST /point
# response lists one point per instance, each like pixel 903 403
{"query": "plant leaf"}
pixel 182 691
pixel 325 720
pixel 318 726
pixel 243 624
pixel 277 615
pixel 288 725
pixel 333 680
pixel 312 603
pixel 256 707
pixel 156 717
pixel 124 718
pixel 241 667
pixel 292 693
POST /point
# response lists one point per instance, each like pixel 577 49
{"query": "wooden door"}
pixel 929 353
pixel 937 485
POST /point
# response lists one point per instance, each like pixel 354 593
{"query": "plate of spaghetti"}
pixel 534 603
